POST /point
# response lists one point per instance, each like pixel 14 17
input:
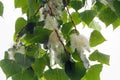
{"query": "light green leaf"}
pixel 39 66
pixel 19 24
pixel 93 73
pixel 100 57
pixel 40 35
pixel 26 74
pixel 21 4
pixel 9 67
pixel 1 8
pixel 116 24
pixel 107 16
pixel 76 18
pixel 64 16
pixel 75 70
pixel 55 74
pixel 87 16
pixel 75 4
pixel 95 25
pixel 96 38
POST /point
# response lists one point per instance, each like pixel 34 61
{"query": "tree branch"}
pixel 67 53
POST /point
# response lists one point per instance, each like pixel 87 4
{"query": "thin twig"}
pixel 51 13
pixel 20 32
pixel 38 10
pixel 66 3
pixel 67 53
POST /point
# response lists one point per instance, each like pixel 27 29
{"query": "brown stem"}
pixel 67 53
pixel 66 3
pixel 51 13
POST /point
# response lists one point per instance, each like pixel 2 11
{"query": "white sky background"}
pixel 110 47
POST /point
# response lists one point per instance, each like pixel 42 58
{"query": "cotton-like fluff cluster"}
pixel 50 23
pixel 56 7
pixel 56 48
pixel 80 43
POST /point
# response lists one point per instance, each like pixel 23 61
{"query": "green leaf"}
pixel 76 18
pixel 55 74
pixel 75 70
pixel 116 24
pixel 32 49
pixel 100 57
pixel 21 4
pixel 98 6
pixel 96 38
pixel 19 24
pixel 75 4
pixel 1 8
pixel 116 5
pixel 107 16
pixel 64 16
pixel 95 25
pixel 9 67
pixel 66 28
pixel 87 16
pixel 6 55
pixel 93 73
pixel 31 7
pixel 39 66
pixel 22 60
pixel 40 35
pixel 27 74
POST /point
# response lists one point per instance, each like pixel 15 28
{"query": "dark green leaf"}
pixel 27 74
pixel 31 8
pixel 6 55
pixel 107 16
pixel 95 25
pixel 87 16
pixel 75 70
pixel 100 57
pixel 9 67
pixel 93 73
pixel 66 28
pixel 96 38
pixel 22 60
pixel 55 74
pixel 41 23
pixel 116 5
pixel 30 27
pixel 39 66
pixel 40 35
pixel 1 8
pixel 98 6
pixel 76 18
pixel 32 49
pixel 76 4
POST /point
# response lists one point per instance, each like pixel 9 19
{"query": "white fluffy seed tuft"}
pixel 80 43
